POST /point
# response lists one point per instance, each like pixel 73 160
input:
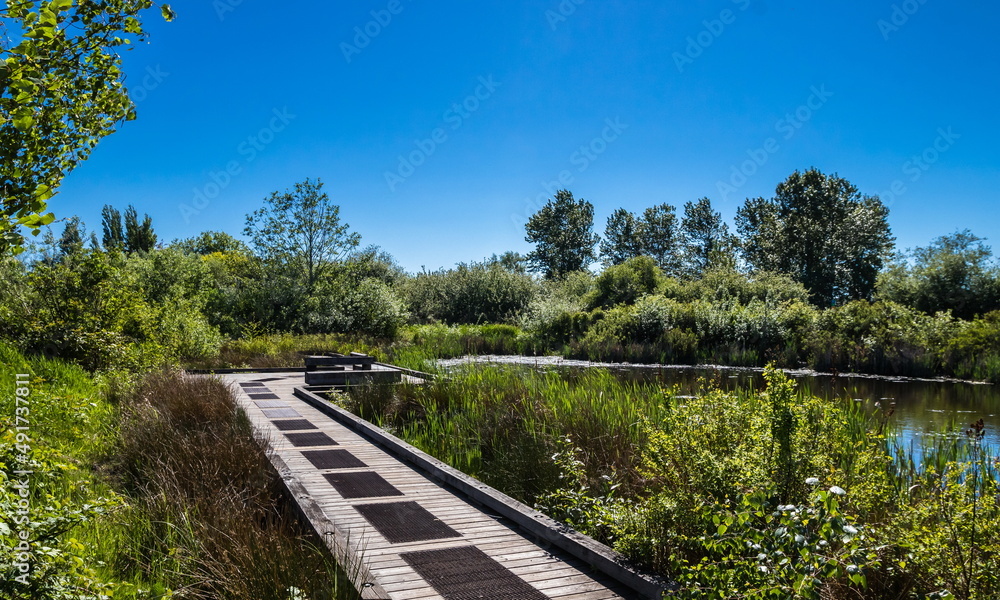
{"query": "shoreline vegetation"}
pixel 748 494
pixel 766 493
pixel 147 487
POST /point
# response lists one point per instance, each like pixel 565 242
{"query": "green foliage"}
pixel 562 231
pixel 820 230
pixel 470 293
pixel 756 549
pixel 111 224
pixel 730 495
pixel 951 525
pixel 955 273
pixel 705 238
pixel 300 231
pixel 210 242
pixel 621 238
pixel 625 283
pixel 371 307
pixel 575 502
pixel 139 237
pixel 659 237
pixel 61 92
pixel 71 240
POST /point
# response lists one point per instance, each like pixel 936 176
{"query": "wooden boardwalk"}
pixel 402 534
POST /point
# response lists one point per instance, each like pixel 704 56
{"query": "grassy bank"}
pixel 147 490
pixel 735 495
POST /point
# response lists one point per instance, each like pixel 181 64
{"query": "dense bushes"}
pixel 106 310
pixel 474 293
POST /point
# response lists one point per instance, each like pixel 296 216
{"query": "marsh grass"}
pixel 286 350
pixel 653 472
pixel 205 514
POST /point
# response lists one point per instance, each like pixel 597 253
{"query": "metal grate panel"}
pixel 271 404
pixel 265 396
pixel 311 438
pixel 333 459
pixel 467 573
pixel 401 522
pixel 294 424
pixel 366 484
pixel 281 413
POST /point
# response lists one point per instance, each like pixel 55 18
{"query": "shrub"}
pixel 473 294
pixel 625 283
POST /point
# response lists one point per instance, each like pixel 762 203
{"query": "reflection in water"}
pixel 924 410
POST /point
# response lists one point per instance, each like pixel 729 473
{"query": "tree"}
pixel 705 239
pixel 209 242
pixel 139 237
pixel 71 240
pixel 955 272
pixel 563 233
pixel 621 238
pixel 658 237
pixel 111 224
pixel 820 230
pixel 625 283
pixel 300 230
pixel 61 91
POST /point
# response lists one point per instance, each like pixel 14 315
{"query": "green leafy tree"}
pixel 621 238
pixel 562 232
pixel 705 238
pixel 822 231
pixel 301 230
pixel 955 272
pixel 111 224
pixel 208 242
pixel 625 283
pixel 71 240
pixel 139 237
pixel 61 91
pixel 659 237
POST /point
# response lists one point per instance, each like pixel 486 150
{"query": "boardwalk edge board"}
pixel 547 531
pixel 335 538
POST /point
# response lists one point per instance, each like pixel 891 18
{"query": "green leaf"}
pixel 60 5
pixel 23 118
pixel 168 13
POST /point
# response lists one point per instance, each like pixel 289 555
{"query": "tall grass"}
pixel 148 489
pixel 206 514
pixel 655 473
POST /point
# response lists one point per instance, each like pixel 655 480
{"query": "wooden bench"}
pixel 355 361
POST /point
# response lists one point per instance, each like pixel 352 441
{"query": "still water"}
pixel 923 410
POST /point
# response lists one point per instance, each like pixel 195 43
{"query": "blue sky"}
pixel 438 127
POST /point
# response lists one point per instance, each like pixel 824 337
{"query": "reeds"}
pixel 206 515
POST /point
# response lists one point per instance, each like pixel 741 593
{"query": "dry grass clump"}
pixel 208 510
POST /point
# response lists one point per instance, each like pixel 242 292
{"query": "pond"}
pixel 924 410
